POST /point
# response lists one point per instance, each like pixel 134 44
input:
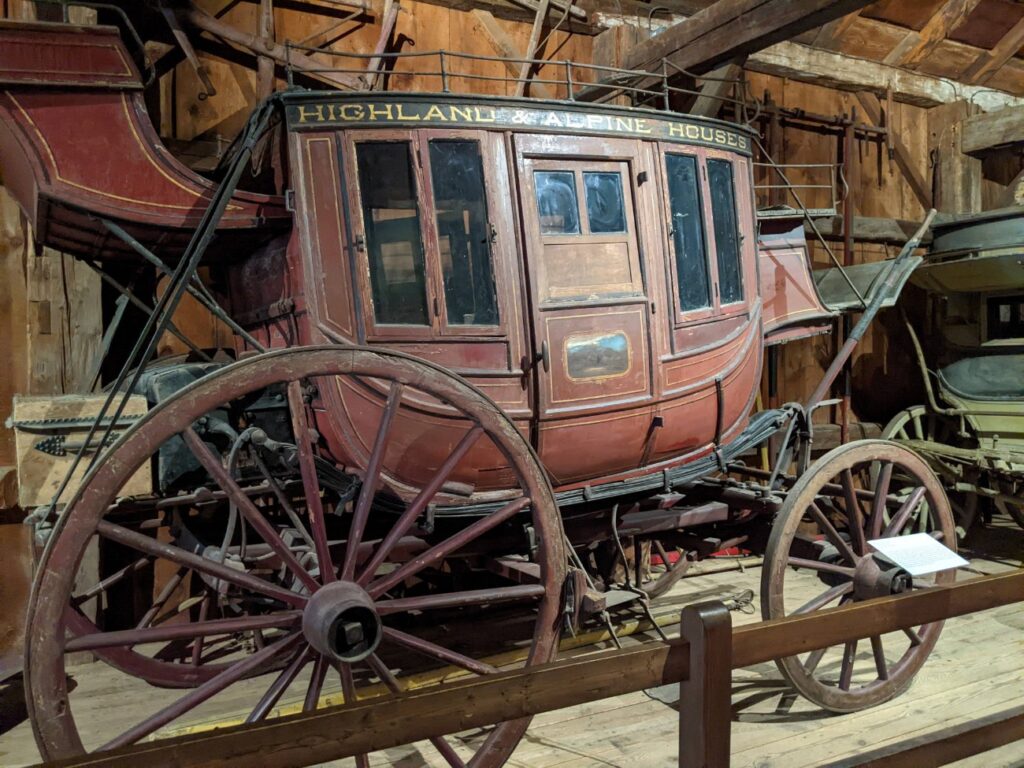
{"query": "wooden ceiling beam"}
pixel 848 73
pixel 917 46
pixel 993 129
pixel 731 28
pixel 200 19
pixel 989 62
pixel 503 44
pixel 829 35
pixel 717 88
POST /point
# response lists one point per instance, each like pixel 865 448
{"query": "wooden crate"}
pixel 36 419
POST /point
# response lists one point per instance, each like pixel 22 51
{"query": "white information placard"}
pixel 918 553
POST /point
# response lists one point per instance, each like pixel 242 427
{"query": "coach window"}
pixel 557 203
pixel 463 232
pixel 394 245
pixel 726 227
pixel 693 284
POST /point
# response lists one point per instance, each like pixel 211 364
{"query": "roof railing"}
pixel 601 84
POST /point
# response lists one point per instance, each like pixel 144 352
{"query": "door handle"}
pixel 545 356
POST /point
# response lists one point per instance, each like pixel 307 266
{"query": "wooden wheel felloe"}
pixel 916 423
pixel 282 574
pixel 818 557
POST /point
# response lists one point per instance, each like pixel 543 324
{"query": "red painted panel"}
pixel 322 231
pixel 64 55
pixel 421 439
pixel 792 307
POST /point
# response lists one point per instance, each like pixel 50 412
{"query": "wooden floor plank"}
pixel 977 668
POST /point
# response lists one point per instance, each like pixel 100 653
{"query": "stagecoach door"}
pixel 590 309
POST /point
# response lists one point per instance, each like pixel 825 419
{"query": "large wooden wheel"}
pixel 278 573
pixel 818 557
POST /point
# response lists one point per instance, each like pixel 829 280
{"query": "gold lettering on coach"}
pixel 518 117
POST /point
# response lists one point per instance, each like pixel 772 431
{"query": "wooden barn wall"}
pixel 420 28
pixel 884 377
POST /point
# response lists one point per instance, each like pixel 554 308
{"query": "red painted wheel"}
pixel 818 557
pixel 280 573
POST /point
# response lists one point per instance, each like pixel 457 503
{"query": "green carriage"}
pixel 971 428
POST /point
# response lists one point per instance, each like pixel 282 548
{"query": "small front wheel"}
pixel 818 557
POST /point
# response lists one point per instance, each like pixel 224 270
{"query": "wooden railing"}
pixel 701 660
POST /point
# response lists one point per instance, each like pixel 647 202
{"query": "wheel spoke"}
pixel 854 513
pixel 879 653
pixel 819 565
pixel 187 559
pixel 310 483
pixel 841 544
pixel 902 516
pixel 115 578
pixel 370 481
pixel 660 549
pixel 203 693
pixel 418 505
pixel 252 515
pixel 463 599
pixel 439 551
pixel 915 639
pixel 279 686
pixel 881 494
pixel 197 644
pixel 438 652
pixel 166 632
pixel 846 670
pixel 825 598
pixel 161 600
pixel 813 660
pixel 391 683
pixel 283 500
pixel 316 684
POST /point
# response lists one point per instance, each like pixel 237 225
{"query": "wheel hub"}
pixel 341 622
pixel 878 578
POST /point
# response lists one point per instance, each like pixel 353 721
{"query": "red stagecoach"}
pixel 494 371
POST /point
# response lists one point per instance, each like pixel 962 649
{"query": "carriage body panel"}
pixel 67 95
pixel 585 345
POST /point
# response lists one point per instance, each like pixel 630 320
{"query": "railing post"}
pixel 705 697
pixel 444 73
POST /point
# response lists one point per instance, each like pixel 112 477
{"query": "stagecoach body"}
pixel 593 270
pixel 484 346
pixel 526 248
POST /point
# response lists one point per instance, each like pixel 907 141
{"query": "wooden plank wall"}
pixel 423 27
pixel 883 379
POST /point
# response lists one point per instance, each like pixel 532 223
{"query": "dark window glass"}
pixel 392 221
pixel 605 209
pixel 1006 317
pixel 688 232
pixel 463 232
pixel 727 235
pixel 556 202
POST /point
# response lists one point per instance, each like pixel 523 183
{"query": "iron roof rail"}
pixel 608 83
